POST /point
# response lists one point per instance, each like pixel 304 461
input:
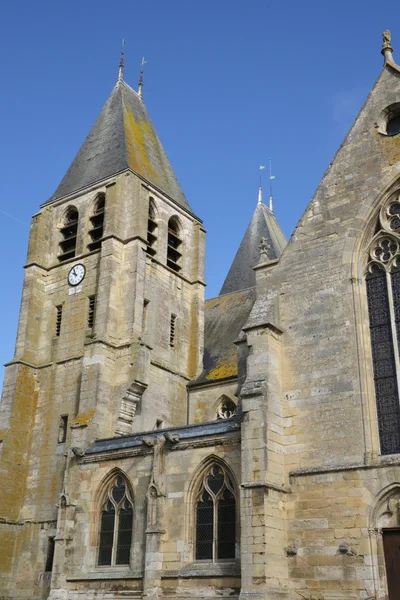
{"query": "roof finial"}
pixel 271 177
pixel 140 86
pixel 260 188
pixel 121 62
pixel 387 49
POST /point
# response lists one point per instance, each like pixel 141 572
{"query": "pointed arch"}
pixel 357 255
pixel 116 511
pixel 213 505
pixel 384 512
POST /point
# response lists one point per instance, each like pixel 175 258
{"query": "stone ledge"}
pixel 106 575
pixel 231 569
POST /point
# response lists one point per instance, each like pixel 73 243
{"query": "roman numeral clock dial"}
pixel 76 274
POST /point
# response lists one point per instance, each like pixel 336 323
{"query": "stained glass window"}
pixel 215 517
pixel 383 359
pixel 383 295
pixel 116 525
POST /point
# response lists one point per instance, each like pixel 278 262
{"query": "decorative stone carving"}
pixel 129 404
pixel 78 451
pixel 264 249
pixel 291 550
pixel 345 548
pixel 157 481
pixel 386 39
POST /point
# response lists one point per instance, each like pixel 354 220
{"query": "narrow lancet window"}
pixel 96 230
pixel 215 517
pixel 174 248
pixel 69 232
pixel 63 429
pixel 116 524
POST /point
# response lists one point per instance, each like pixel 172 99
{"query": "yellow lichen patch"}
pixel 135 136
pixel 84 418
pixel 225 367
pixel 391 147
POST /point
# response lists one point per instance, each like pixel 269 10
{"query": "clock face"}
pixel 76 274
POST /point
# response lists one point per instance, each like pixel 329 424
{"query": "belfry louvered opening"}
pixel 151 229
pixel 383 296
pixel 116 524
pixel 69 232
pixel 215 517
pixel 174 248
pixel 96 230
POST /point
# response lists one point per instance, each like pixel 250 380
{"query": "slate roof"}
pixel 263 224
pixel 224 318
pixel 123 137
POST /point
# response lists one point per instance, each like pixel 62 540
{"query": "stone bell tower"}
pixel 110 329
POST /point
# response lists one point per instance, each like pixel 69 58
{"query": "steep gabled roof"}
pixel 224 318
pixel 123 137
pixel 263 224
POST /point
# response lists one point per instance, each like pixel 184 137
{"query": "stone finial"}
pixel 387 49
pixel 264 248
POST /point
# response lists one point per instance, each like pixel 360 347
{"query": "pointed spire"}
pixel 387 49
pixel 271 177
pixel 121 62
pixel 262 167
pixel 140 86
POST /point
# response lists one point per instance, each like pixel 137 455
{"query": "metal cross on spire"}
pixel 121 62
pixel 140 86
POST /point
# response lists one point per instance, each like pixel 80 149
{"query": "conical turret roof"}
pixel 123 137
pixel 263 224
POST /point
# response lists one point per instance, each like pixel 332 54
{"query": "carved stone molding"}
pixel 129 404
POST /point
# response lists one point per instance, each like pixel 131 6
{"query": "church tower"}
pixel 110 329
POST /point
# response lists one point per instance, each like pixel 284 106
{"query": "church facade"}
pixel 154 444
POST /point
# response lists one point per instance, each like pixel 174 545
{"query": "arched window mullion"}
pixel 215 502
pixel 393 327
pixel 119 504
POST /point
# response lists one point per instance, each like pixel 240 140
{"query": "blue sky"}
pixel 228 84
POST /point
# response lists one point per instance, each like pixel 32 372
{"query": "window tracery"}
pixel 116 523
pixel 226 408
pixel 383 296
pixel 215 516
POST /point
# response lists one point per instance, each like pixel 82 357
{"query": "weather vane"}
pixel 121 61
pixel 140 87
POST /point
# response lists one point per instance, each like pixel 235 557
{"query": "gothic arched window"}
pixel 96 231
pixel 174 247
pixel 69 232
pixel 151 229
pixel 116 523
pixel 215 516
pixel 383 294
